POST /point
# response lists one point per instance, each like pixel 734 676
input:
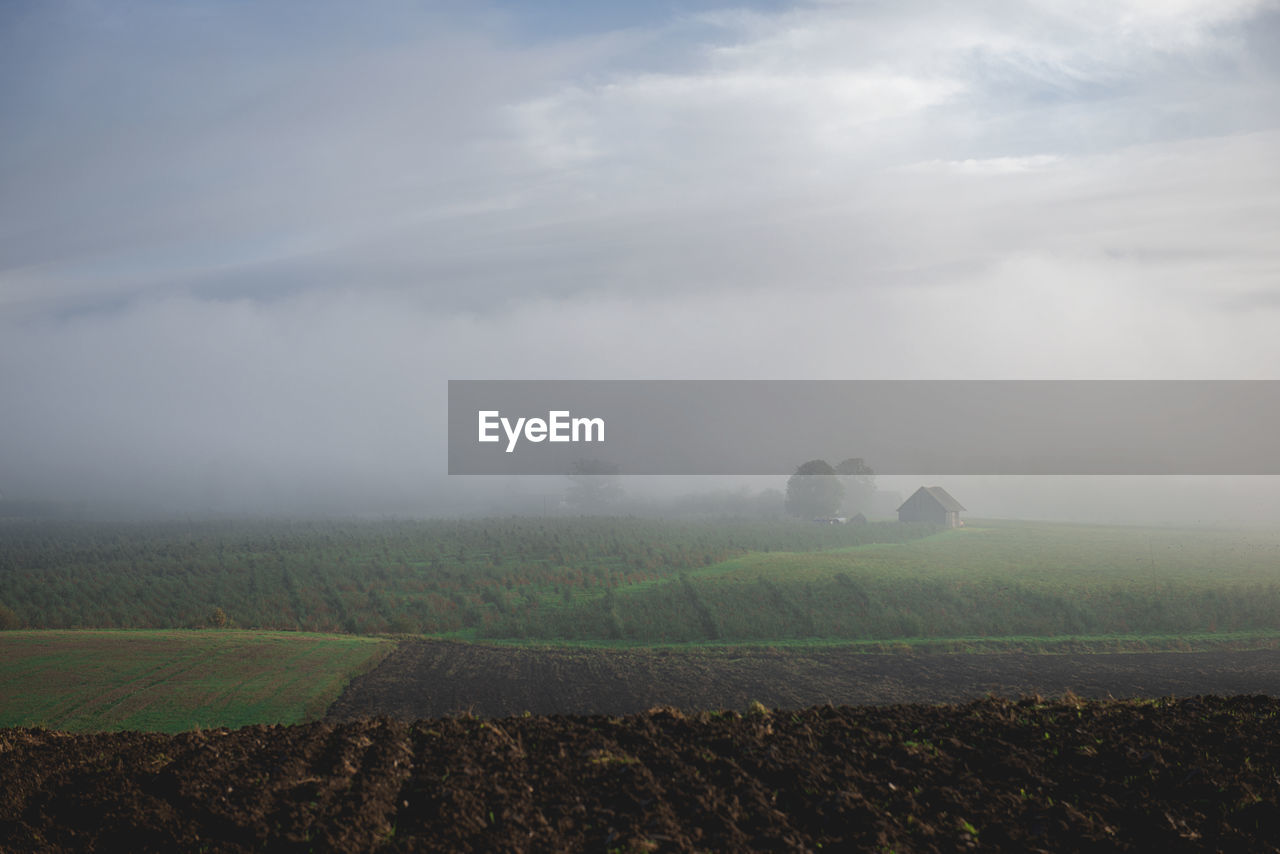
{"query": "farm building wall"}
pixel 924 506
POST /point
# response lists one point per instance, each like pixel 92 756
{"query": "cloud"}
pixel 445 159
pixel 248 247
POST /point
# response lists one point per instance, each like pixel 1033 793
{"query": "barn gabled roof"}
pixel 938 494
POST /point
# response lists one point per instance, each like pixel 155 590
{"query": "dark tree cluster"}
pixel 818 490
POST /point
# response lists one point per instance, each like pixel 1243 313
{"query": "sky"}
pixel 243 247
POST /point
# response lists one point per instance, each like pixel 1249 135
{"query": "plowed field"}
pixel 434 678
pixel 1194 774
pixel 1199 773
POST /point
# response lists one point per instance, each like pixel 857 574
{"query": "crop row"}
pixel 845 608
pixel 363 576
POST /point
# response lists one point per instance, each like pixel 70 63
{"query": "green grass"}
pixel 994 586
pixel 983 582
pixel 362 577
pixel 987 645
pixel 991 584
pixel 1041 554
pixel 170 681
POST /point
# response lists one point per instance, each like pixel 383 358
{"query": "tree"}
pixel 814 490
pixel 9 618
pixel 593 486
pixel 859 483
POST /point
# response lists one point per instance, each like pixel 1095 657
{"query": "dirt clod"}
pixel 993 774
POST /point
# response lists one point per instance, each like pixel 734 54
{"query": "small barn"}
pixel 931 504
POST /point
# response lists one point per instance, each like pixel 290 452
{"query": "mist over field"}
pixel 243 249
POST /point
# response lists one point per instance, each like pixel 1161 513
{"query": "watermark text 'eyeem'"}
pixel 558 426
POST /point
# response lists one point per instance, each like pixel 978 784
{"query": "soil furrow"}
pixel 1198 774
pixel 424 679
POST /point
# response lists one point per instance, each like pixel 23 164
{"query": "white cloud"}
pixel 277 261
pixel 988 165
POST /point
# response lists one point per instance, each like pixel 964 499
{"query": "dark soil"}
pixel 434 678
pixel 1192 774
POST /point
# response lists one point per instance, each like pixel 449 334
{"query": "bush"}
pixel 9 618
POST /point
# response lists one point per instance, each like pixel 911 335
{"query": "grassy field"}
pixel 169 681
pixel 363 577
pixel 987 580
pixel 602 580
pixel 991 586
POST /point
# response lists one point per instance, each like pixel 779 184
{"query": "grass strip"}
pixel 172 680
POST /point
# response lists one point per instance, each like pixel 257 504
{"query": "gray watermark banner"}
pixel 907 427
